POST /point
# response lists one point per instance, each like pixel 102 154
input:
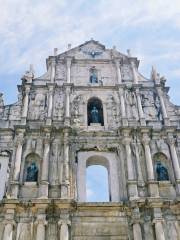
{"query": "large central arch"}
pixel 106 159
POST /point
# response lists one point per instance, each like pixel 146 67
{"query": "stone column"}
pixel 68 69
pixel 45 168
pixel 41 225
pixel 175 161
pixel 153 188
pixel 117 62
pixel 17 166
pixel 159 229
pixel 140 110
pixel 53 65
pixel 136 146
pixel 134 70
pixel 123 109
pixel 137 231
pixel 25 103
pixel 64 229
pixel 164 112
pixel 50 104
pixel 67 104
pixel 132 183
pixel 65 183
pixel 8 231
pixel 136 223
pixel 18 160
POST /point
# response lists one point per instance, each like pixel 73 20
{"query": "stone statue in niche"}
pixel 93 76
pixel 162 173
pixel 95 115
pixel 32 173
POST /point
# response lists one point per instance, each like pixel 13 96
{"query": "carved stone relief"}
pixel 38 106
pixel 112 111
pixel 60 72
pixel 58 109
pixel 131 104
pixel 126 73
pixel 76 109
pixel 151 105
pixel 15 112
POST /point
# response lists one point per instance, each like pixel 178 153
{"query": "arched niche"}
pixel 161 167
pixel 31 168
pixel 93 75
pixel 95 111
pixel 106 159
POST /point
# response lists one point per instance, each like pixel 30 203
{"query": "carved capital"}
pixel 68 61
pixel 126 141
pixel 158 220
pixel 19 141
pixel 64 221
pixel 171 141
pixel 146 140
pixel 9 221
pixel 51 89
pixel 117 62
pixel 41 220
pixel 27 89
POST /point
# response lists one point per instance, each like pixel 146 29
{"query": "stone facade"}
pixel 49 129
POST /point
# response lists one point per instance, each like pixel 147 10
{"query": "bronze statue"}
pixel 93 77
pixel 32 173
pixel 95 115
pixel 162 173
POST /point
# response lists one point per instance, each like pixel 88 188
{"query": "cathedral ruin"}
pixel 91 107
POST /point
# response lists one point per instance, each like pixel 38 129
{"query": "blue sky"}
pixel 31 29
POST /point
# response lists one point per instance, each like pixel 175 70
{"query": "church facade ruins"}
pixel 91 107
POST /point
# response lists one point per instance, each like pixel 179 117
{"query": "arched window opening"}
pixel 32 166
pixel 161 169
pixel 95 112
pixel 93 75
pixel 97 186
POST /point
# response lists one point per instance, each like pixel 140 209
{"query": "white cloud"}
pixel 30 29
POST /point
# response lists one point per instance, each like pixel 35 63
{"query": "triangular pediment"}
pixel 92 44
pixel 91 49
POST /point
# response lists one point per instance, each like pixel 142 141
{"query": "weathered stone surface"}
pixel 50 125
